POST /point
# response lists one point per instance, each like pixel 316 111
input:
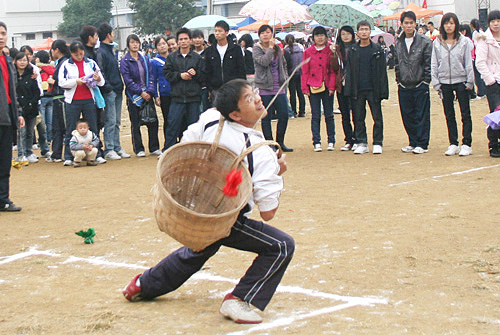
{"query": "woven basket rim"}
pixel 190 211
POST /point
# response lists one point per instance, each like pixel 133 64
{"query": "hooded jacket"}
pixel 452 65
pixel 262 62
pixel 488 58
pixel 296 53
pixel 217 73
pixel 413 67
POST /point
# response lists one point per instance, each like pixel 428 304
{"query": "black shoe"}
pixel 284 148
pixel 494 153
pixel 302 114
pixel 10 207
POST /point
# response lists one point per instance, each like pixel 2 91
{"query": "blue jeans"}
pixel 180 116
pixel 345 106
pixel 46 106
pixel 280 106
pixel 481 86
pixel 25 137
pixel 415 106
pixel 315 100
pixel 112 121
pixel 87 109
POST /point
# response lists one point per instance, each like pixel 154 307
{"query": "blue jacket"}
pixel 109 68
pixel 161 85
pixel 131 77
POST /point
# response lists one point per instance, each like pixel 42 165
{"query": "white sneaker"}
pixel 452 150
pixel 238 310
pixel 141 154
pixel 32 158
pixel 53 160
pixel 346 147
pixel 123 154
pixel 317 147
pixel 362 149
pixel 408 148
pixel 465 150
pixel 337 111
pixel 100 160
pixel 34 147
pixel 331 146
pixel 354 146
pixel 377 149
pixel 420 150
pixel 112 156
pixel 14 148
pixel 48 154
pixel 68 162
pixel 156 152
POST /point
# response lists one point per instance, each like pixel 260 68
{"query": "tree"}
pixel 78 13
pixel 157 16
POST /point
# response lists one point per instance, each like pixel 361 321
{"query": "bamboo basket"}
pixel 189 204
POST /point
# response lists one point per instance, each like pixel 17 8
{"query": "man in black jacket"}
pixel 224 61
pixel 10 119
pixel 413 75
pixel 112 92
pixel 366 80
pixel 183 70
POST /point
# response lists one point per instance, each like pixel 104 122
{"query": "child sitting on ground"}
pixel 83 144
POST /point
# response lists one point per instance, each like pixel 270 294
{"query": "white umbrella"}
pixel 283 10
pixel 207 21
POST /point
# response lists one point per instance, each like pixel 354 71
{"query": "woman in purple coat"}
pixel 138 77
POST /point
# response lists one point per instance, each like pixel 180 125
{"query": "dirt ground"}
pixel 388 244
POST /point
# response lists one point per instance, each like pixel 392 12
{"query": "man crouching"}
pixel 242 108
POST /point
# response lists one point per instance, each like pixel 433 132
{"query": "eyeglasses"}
pixel 251 99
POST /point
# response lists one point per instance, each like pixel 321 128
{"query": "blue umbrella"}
pixel 246 22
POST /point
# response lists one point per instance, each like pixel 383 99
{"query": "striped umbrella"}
pixel 276 10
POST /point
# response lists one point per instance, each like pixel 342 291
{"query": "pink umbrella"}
pixel 388 38
pixel 276 10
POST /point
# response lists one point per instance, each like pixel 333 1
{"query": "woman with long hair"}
pixel 318 83
pixel 270 74
pixel 79 99
pixel 488 64
pixel 296 53
pixel 452 73
pixel 347 37
pixel 137 75
pixel 246 43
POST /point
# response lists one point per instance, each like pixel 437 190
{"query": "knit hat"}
pixel 319 30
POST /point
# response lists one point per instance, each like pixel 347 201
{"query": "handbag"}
pixel 316 90
pixel 147 112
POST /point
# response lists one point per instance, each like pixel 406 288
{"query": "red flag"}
pixel 424 5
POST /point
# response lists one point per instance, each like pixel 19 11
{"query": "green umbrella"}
pixel 338 13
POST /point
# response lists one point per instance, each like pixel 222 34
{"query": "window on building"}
pixel 47 35
pixel 30 36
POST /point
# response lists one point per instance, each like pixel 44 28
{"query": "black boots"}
pixel 494 152
pixel 281 141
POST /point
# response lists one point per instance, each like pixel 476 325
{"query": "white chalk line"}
pixel 98 261
pixel 445 175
